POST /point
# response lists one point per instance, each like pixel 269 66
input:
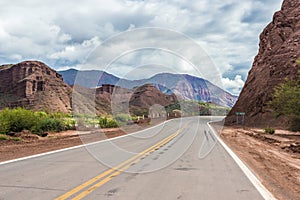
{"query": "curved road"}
pixel 180 159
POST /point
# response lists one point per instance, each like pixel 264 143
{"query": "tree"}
pixel 286 101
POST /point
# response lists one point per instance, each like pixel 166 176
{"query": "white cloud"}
pixel 234 86
pixel 76 52
pixel 61 32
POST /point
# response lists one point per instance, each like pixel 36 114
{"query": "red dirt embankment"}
pixel 275 159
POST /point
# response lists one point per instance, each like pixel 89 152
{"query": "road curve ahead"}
pixel 180 159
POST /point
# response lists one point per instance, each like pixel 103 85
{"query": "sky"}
pixel 65 33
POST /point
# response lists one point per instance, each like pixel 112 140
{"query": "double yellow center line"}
pixel 103 178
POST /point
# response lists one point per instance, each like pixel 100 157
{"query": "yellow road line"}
pixel 102 182
pixel 141 154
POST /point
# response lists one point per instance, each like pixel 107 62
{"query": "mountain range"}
pixel 184 86
pixel 34 85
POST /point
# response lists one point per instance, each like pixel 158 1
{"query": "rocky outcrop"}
pixel 33 85
pixel 149 101
pixel 148 95
pixel 279 49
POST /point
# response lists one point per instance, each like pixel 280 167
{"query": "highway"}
pixel 179 159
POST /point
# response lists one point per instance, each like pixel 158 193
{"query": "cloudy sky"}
pixel 63 33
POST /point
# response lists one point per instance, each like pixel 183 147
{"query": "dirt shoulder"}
pixel 31 144
pixel 275 159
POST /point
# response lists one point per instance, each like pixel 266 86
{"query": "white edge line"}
pixel 76 147
pixel 265 193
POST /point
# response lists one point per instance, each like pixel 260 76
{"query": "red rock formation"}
pixel 276 61
pixel 148 95
pixel 34 85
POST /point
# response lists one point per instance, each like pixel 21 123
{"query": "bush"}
pixel 4 125
pixel 3 137
pixel 59 115
pixel 36 130
pixel 269 130
pixel 17 119
pixel 105 122
pixel 17 139
pixel 122 119
pixel 69 124
pixel 286 101
pixel 47 124
pixel 51 124
pixel 40 114
pixel 111 123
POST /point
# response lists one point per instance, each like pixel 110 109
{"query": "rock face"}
pixel 276 61
pixel 148 95
pixel 33 85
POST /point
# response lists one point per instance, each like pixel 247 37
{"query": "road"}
pixel 180 159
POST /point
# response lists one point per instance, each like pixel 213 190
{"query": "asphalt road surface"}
pixel 180 159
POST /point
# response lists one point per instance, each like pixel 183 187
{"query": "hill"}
pixel 148 97
pixel 279 48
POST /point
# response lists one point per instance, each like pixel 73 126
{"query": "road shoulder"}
pixel 269 157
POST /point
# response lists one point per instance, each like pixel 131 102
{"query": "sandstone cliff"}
pixel 276 61
pixel 33 85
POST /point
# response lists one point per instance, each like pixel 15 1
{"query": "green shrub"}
pixel 47 124
pixel 51 124
pixel 40 114
pixel 36 130
pixel 59 115
pixel 269 130
pixel 17 139
pixel 111 123
pixel 4 125
pixel 3 137
pixel 122 119
pixel 18 119
pixel 69 124
pixel 286 101
pixel 105 122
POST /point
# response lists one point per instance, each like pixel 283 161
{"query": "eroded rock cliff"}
pixel 276 61
pixel 33 85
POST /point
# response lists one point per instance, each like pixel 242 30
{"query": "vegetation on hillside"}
pixel 286 101
pixel 19 119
